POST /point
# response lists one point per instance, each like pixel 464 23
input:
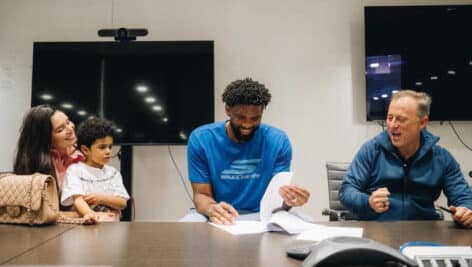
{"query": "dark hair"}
pixel 92 129
pixel 33 152
pixel 246 92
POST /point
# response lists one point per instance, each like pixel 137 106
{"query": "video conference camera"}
pixel 122 34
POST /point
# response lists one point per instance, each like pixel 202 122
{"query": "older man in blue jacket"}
pixel 399 174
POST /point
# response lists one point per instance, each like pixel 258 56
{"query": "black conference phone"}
pixel 349 251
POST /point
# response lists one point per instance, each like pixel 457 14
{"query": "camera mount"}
pixel 122 34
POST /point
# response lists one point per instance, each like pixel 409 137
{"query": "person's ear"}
pixel 424 122
pixel 84 149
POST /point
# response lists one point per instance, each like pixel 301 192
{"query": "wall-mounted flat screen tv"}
pixel 424 48
pixel 154 92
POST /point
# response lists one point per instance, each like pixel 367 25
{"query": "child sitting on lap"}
pixel 95 189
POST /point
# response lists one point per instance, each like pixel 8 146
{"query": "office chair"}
pixel 335 174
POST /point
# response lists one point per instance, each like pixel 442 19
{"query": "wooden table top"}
pixel 200 244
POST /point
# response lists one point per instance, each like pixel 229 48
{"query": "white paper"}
pixel 271 198
pixel 243 227
pixel 279 221
pixel 290 223
pixel 320 233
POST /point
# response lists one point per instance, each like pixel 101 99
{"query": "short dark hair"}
pixel 246 92
pixel 92 129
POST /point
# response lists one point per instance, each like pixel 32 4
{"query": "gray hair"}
pixel 423 101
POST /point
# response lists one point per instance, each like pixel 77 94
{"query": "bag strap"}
pixel 29 210
pixel 63 219
pixel 46 197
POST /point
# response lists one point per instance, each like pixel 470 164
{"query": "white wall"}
pixel 309 53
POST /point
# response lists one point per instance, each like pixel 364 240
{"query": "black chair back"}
pixel 335 174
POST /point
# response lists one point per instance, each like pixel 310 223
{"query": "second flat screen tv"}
pixel 424 48
pixel 154 92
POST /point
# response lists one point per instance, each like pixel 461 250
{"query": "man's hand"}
pixel 378 200
pixel 294 195
pixel 221 213
pixel 462 215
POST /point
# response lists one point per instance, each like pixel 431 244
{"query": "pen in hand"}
pixel 444 209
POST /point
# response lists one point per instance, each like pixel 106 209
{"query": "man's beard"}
pixel 240 137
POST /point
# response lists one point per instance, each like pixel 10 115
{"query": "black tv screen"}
pixel 424 48
pixel 153 92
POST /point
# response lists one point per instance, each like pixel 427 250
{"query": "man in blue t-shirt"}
pixel 231 163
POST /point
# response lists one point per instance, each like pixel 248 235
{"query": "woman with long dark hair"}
pixel 47 143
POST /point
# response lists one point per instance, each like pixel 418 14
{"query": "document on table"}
pixel 243 227
pixel 320 233
pixel 279 221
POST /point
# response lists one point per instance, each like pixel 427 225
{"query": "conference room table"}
pixel 188 244
pixel 18 239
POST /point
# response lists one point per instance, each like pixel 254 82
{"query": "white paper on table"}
pixel 271 199
pixel 243 227
pixel 290 223
pixel 320 233
pixel 269 202
pixel 279 221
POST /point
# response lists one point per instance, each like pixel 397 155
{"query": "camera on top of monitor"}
pixel 123 34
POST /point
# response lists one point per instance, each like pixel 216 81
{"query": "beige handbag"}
pixel 28 199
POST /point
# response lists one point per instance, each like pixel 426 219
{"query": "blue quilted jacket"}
pixel 413 185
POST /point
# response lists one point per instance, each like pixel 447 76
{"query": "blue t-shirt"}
pixel 238 172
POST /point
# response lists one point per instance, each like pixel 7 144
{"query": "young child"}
pixel 94 189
